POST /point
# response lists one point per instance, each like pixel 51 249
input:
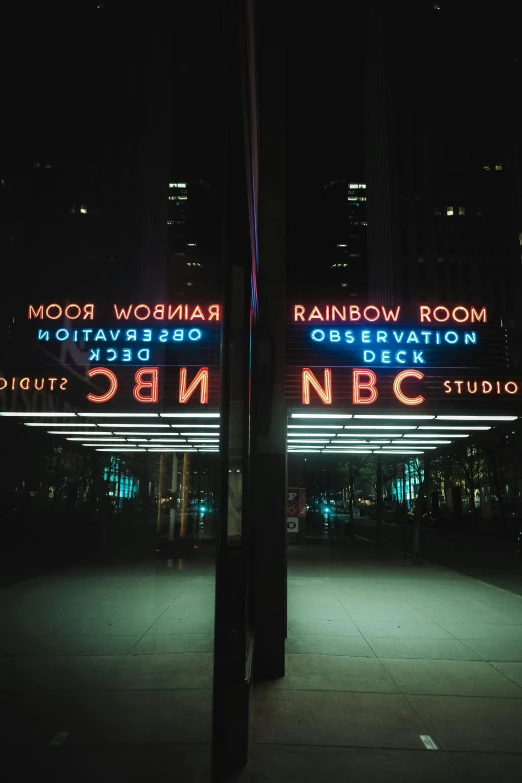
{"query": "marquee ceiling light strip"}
pixel 312 434
pixel 180 426
pixel 130 446
pixel 410 446
pixel 99 440
pixel 315 426
pixel 116 449
pixel 190 415
pixel 162 434
pixel 335 445
pixel 342 435
pixel 61 424
pixel 56 414
pixel 347 451
pixel 298 442
pixel 321 416
pixel 427 435
pixel 85 433
pixel 422 442
pixel 200 434
pixel 114 424
pixel 384 451
pixel 120 415
pixel 451 427
pixel 477 418
pixel 380 426
pixel 393 416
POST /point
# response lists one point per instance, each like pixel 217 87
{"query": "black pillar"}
pixel 268 488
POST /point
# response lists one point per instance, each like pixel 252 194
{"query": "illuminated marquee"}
pixel 103 355
pixel 375 355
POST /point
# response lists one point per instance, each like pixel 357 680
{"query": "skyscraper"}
pixel 441 155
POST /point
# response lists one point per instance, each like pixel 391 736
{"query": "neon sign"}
pixel 371 313
pixel 376 355
pixel 142 312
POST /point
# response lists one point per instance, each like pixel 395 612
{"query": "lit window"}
pixel 486 167
pixel 72 210
pixel 341 245
pixel 462 210
pixel 498 167
pixel 191 244
pixel 438 211
pixel 343 285
pixel 48 166
pixel 177 184
pixel 83 209
pixel 449 210
pixel 363 223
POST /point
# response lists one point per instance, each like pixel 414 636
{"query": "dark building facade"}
pixel 441 155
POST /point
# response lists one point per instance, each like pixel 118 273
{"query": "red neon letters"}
pixel 146 385
pixel 113 384
pixel 143 383
pixel 368 385
pixel 364 386
pixel 200 378
pixel 398 391
pixel 325 393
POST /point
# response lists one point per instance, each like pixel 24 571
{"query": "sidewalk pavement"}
pixel 394 672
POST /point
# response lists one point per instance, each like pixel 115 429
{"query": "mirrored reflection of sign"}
pixel 105 357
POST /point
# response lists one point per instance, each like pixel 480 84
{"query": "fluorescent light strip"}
pixel 336 444
pixel 312 434
pixel 297 442
pixel 382 416
pixel 305 451
pixel 347 451
pixel 53 415
pixel 162 434
pixel 130 446
pixel 180 426
pixel 409 446
pixel 85 433
pixel 114 424
pixel 61 424
pixel 203 440
pixel 422 442
pixel 200 434
pixel 190 415
pixel 477 418
pixel 315 426
pixel 346 436
pixel 98 440
pixel 427 435
pixel 384 451
pixel 451 427
pixel 116 449
pixel 321 416
pixel 380 426
pixel 96 415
